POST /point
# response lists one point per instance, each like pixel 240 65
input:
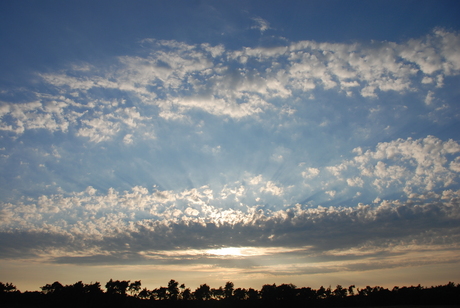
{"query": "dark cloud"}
pixel 326 235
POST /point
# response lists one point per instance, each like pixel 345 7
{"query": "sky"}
pixel 258 142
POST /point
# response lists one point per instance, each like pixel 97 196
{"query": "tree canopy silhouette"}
pixel 123 293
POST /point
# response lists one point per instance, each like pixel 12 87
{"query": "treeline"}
pixel 125 293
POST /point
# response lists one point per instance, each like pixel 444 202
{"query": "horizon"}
pixel 103 286
pixel 316 143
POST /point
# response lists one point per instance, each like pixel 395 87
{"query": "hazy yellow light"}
pixel 226 251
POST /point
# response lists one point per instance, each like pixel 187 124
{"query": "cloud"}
pixel 261 24
pixel 429 98
pixel 105 231
pixel 356 181
pixel 171 80
pixel 270 187
pixel 262 139
pixel 310 173
pixel 407 165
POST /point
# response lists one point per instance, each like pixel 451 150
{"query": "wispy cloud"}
pixel 261 24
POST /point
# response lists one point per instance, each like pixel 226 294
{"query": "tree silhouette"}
pixel 186 294
pixel 173 289
pixel 161 293
pixel 240 294
pixel 218 293
pixel 268 292
pixel 55 287
pixel 203 292
pixel 307 294
pixel 321 293
pixel 7 287
pixel 253 294
pixel 144 294
pixel 286 292
pixel 134 288
pixel 351 290
pixel 117 287
pixel 228 289
pixel 285 295
pixel 340 292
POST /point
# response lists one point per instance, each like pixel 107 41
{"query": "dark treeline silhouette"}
pixel 125 293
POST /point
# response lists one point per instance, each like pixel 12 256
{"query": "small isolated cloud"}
pixel 261 24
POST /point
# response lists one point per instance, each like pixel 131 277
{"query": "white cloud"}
pixel 429 98
pixel 310 173
pixel 262 24
pixel 410 165
pixel 128 139
pixel 255 180
pixel 427 79
pixel 106 222
pixel 179 79
pixel 272 188
pixel 455 164
pixel 99 129
pixel 356 181
pixel 337 170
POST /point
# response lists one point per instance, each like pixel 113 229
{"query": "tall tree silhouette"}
pixel 228 290
pixel 173 289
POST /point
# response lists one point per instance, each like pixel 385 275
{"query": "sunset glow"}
pixel 313 143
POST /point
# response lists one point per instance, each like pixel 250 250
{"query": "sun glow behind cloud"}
pixel 231 251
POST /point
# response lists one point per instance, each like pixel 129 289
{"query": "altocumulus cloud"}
pixel 149 226
pixel 171 79
pixel 88 228
pixel 383 202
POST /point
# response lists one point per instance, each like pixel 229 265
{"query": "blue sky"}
pixel 313 143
